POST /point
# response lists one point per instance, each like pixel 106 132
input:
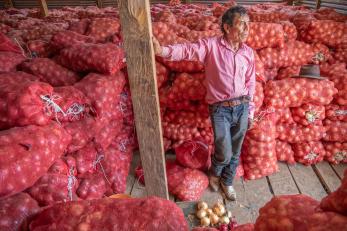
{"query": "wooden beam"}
pixel 307 181
pixel 339 169
pixel 327 176
pixel 282 182
pixel 258 194
pixel 137 33
pixel 44 8
pixel 99 3
pixel 318 3
pixel 8 4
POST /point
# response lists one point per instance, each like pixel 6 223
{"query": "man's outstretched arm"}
pixel 186 51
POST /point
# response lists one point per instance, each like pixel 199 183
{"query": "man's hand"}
pixel 250 124
pixel 156 45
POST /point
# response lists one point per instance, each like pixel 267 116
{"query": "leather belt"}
pixel 234 102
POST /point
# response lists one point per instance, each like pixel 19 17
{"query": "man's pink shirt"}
pixel 229 74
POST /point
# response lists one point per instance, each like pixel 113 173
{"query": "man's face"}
pixel 239 31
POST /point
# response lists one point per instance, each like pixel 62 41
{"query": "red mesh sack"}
pixel 321 53
pixel 165 35
pixel 340 54
pixel 284 115
pixel 16 212
pixel 294 92
pixel 83 131
pixel 296 133
pixel 336 112
pixel 294 53
pixel 263 35
pixel 204 229
pixel 92 186
pixel 188 87
pixel 308 114
pixel 259 68
pixel 103 28
pixel 245 227
pixel 329 14
pixel 126 106
pixel 258 158
pixel 309 153
pixel 193 154
pixel 162 74
pixel 284 152
pixel 258 97
pixel 51 72
pixel 4 28
pixel 270 74
pixel 65 39
pixel 104 92
pixel 148 213
pixel 7 45
pixel 187 118
pixel 328 32
pixel 80 26
pixel 336 201
pixel 73 103
pixel 9 61
pixel 179 132
pixel 183 66
pixel 264 128
pixel 24 103
pixel 102 58
pixel 165 15
pixel 335 152
pixel 186 184
pixel 86 158
pixel 321 221
pixel 116 165
pixel 40 48
pixel 335 131
pixel 53 188
pixel 24 156
pixel 288 72
pixel 289 29
pixel 194 36
pixel 289 212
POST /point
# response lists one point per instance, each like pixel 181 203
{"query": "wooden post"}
pixel 99 3
pixel 137 33
pixel 44 8
pixel 318 3
pixel 8 4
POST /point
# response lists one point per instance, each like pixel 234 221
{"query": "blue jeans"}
pixel 229 127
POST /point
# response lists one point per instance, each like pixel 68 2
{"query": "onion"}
pixel 202 205
pixel 201 213
pixel 205 221
pixel 214 219
pixel 219 209
pixel 224 220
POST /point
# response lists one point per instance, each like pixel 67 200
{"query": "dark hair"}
pixel 229 15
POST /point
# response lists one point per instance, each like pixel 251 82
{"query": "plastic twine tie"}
pixel 99 157
pixel 74 111
pixel 50 104
pixel 71 181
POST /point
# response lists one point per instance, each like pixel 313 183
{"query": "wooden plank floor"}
pixel 316 181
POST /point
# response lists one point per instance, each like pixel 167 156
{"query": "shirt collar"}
pixel 227 45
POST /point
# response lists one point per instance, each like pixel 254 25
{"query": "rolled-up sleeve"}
pixel 187 51
pixel 250 84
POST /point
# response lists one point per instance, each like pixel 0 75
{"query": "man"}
pixel 230 83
